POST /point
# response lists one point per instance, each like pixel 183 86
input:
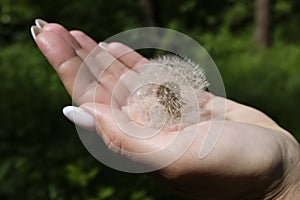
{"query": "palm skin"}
pixel 253 158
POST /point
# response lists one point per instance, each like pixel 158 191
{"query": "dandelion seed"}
pixel 168 92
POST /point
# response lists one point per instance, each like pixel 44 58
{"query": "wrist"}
pixel 293 191
pixel 290 187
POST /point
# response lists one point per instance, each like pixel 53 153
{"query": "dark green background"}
pixel 41 156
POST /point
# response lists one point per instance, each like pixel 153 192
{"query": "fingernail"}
pixel 40 23
pixel 80 117
pixel 35 31
pixel 103 45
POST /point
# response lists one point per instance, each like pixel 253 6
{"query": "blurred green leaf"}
pixel 106 192
pixel 77 175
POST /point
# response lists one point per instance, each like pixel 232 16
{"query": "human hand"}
pixel 253 158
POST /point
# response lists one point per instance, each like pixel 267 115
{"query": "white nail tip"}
pixel 35 31
pixel 40 23
pixel 79 117
pixel 103 45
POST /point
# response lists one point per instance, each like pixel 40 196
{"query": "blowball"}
pixel 168 92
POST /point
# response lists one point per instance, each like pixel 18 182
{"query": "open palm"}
pixel 248 160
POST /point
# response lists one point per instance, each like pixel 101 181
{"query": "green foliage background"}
pixel 41 156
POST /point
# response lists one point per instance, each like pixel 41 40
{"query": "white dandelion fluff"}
pixel 168 92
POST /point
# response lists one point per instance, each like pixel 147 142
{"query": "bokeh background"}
pixel 255 45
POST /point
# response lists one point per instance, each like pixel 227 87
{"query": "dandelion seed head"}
pixel 188 70
pixel 169 92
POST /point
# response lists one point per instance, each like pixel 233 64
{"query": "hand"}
pixel 253 158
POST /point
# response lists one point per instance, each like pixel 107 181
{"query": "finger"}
pixel 131 61
pixel 97 66
pixel 102 58
pixel 126 55
pixel 121 134
pixel 101 74
pixel 99 62
pixel 62 32
pixel 154 148
pixel 104 77
pixel 123 61
pixel 80 118
pixel 84 40
pixel 63 58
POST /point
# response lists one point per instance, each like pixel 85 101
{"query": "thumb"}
pixel 152 148
pixel 120 133
pixel 80 118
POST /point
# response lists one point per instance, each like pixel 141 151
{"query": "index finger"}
pixel 125 54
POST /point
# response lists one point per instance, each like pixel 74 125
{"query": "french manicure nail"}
pixel 40 23
pixel 35 31
pixel 103 45
pixel 80 117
